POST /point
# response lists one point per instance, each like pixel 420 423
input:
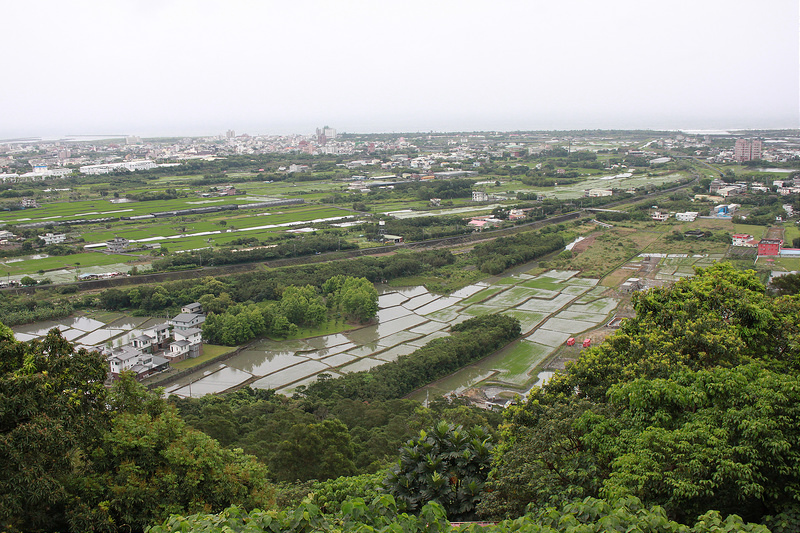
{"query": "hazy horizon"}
pixel 198 68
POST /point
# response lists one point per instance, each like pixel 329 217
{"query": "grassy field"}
pixel 17 266
pixel 210 351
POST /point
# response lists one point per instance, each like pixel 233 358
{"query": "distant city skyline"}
pixel 200 68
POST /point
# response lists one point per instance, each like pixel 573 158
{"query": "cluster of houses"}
pixel 782 187
pixel 661 216
pixel 766 247
pixel 169 342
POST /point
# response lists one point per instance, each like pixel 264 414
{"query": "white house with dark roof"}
pixel 193 336
pixel 143 343
pixel 194 308
pixel 124 358
pixel 187 321
pixel 179 350
pixel 159 334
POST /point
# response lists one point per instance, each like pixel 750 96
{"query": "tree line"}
pixel 354 299
pixel 473 339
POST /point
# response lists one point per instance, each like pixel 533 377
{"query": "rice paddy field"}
pixel 408 318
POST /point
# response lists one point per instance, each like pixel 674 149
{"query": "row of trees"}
pixel 293 247
pixel 473 339
pixel 495 256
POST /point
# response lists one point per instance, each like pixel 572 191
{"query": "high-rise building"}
pixel 747 150
pixel 325 134
pixel 230 134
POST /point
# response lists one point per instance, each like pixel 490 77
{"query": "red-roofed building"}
pixel 743 239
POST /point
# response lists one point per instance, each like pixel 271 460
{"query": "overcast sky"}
pixel 193 67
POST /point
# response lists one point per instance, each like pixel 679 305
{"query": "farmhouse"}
pixel 124 358
pixel 186 321
pixel 688 216
pixel 391 239
pixel 53 238
pixel 479 196
pixel 743 239
pixel 769 247
pixel 117 245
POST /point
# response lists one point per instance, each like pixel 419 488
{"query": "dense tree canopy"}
pixel 78 457
pixel 446 464
pixel 691 405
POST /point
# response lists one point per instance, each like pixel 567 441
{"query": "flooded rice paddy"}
pixel 551 308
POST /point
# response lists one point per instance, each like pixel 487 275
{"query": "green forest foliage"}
pixel 692 406
pixel 495 256
pixel 382 515
pixel 231 325
pixel 446 464
pixel 75 456
pixel 304 439
pixel 216 293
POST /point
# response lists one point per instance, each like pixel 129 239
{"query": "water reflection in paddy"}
pixel 98 337
pixel 339 360
pixel 419 301
pixel 361 364
pixel 40 329
pixel 429 327
pixel 326 341
pixel 83 323
pixel 288 375
pixel 390 313
pixel 422 341
pixel 321 354
pixel 437 305
pixel 364 336
pixel 70 334
pixel 412 291
pixel 391 299
pixel 399 324
pixel 365 350
pixel 393 353
pixel 263 362
pixel 398 338
pixel 219 381
pixel 469 290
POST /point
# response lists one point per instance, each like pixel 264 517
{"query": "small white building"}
pixel 480 196
pixel 195 307
pixel 53 238
pixel 186 321
pixel 743 239
pixel 194 338
pixel 688 216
